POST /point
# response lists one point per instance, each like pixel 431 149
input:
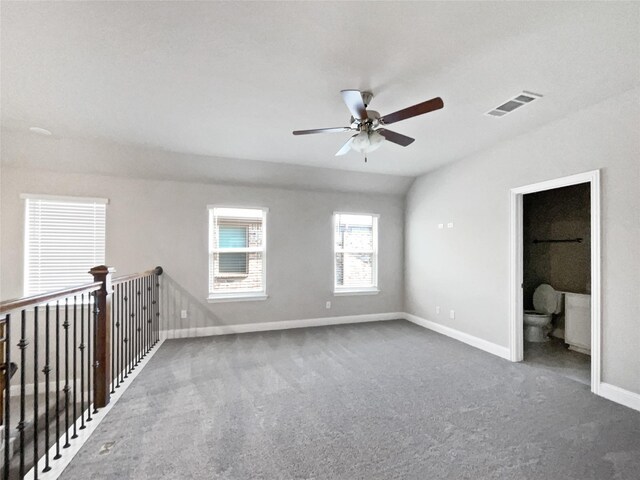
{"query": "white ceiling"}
pixel 232 80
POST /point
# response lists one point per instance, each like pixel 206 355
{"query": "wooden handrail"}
pixel 19 303
pixel 133 276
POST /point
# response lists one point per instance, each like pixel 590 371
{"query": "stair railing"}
pixel 75 347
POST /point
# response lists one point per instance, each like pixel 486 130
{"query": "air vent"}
pixel 516 102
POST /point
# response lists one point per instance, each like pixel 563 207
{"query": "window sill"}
pixel 231 275
pixel 237 297
pixel 359 291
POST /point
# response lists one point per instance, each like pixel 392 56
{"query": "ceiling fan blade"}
pixel 346 147
pixel 321 130
pixel 414 111
pixel 395 137
pixel 355 104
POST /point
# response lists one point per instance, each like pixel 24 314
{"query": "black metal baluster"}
pixel 121 333
pixel 75 373
pixel 158 308
pixel 81 348
pixel 89 357
pixel 131 323
pixel 150 314
pixel 22 345
pixel 57 456
pixel 7 393
pixel 46 370
pixel 151 310
pixel 125 330
pixel 134 320
pixel 145 317
pixel 119 338
pixel 138 318
pixel 114 307
pixel 66 389
pixel 35 392
pixel 94 361
pixel 141 318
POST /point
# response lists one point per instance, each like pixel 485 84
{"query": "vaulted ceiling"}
pixel 233 79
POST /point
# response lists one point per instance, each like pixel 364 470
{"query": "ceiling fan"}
pixel 369 124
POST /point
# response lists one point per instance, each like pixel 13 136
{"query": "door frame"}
pixel 516 335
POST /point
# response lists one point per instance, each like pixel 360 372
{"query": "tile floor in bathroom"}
pixel 555 355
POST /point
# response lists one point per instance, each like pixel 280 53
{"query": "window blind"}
pixel 64 239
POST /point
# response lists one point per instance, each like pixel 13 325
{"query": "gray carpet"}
pixel 387 400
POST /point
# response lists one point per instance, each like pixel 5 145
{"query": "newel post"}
pixel 102 371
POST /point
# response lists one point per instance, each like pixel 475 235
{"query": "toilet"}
pixel 537 323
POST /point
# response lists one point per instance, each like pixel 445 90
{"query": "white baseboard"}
pixel 619 395
pixel 281 325
pixel 476 342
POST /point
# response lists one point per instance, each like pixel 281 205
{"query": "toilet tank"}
pixel 577 311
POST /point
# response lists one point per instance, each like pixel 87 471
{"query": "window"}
pixel 355 253
pixel 237 254
pixel 64 239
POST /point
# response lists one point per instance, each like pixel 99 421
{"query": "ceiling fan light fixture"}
pixel 366 142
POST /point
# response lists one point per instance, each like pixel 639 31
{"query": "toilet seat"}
pixel 545 299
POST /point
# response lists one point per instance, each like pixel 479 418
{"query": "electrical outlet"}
pixel 183 314
pixel 452 314
pixel 450 225
pixel 440 226
pixel 438 310
pixel 328 305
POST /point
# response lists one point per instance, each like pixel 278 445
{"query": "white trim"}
pixel 241 207
pixel 58 466
pixel 281 325
pixel 63 198
pixel 619 395
pixel 476 342
pixel 362 291
pixel 374 255
pixel 516 346
pixel 237 297
pixel 364 214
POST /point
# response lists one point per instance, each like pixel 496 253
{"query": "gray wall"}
pixel 467 268
pixel 152 222
pixel 561 213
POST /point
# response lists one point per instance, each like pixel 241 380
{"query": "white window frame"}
pixel 238 296
pixel 27 237
pixel 373 289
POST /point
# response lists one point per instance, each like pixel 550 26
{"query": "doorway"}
pixel 586 298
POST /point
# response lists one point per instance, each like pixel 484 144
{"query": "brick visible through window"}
pixel 236 251
pixel 355 251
